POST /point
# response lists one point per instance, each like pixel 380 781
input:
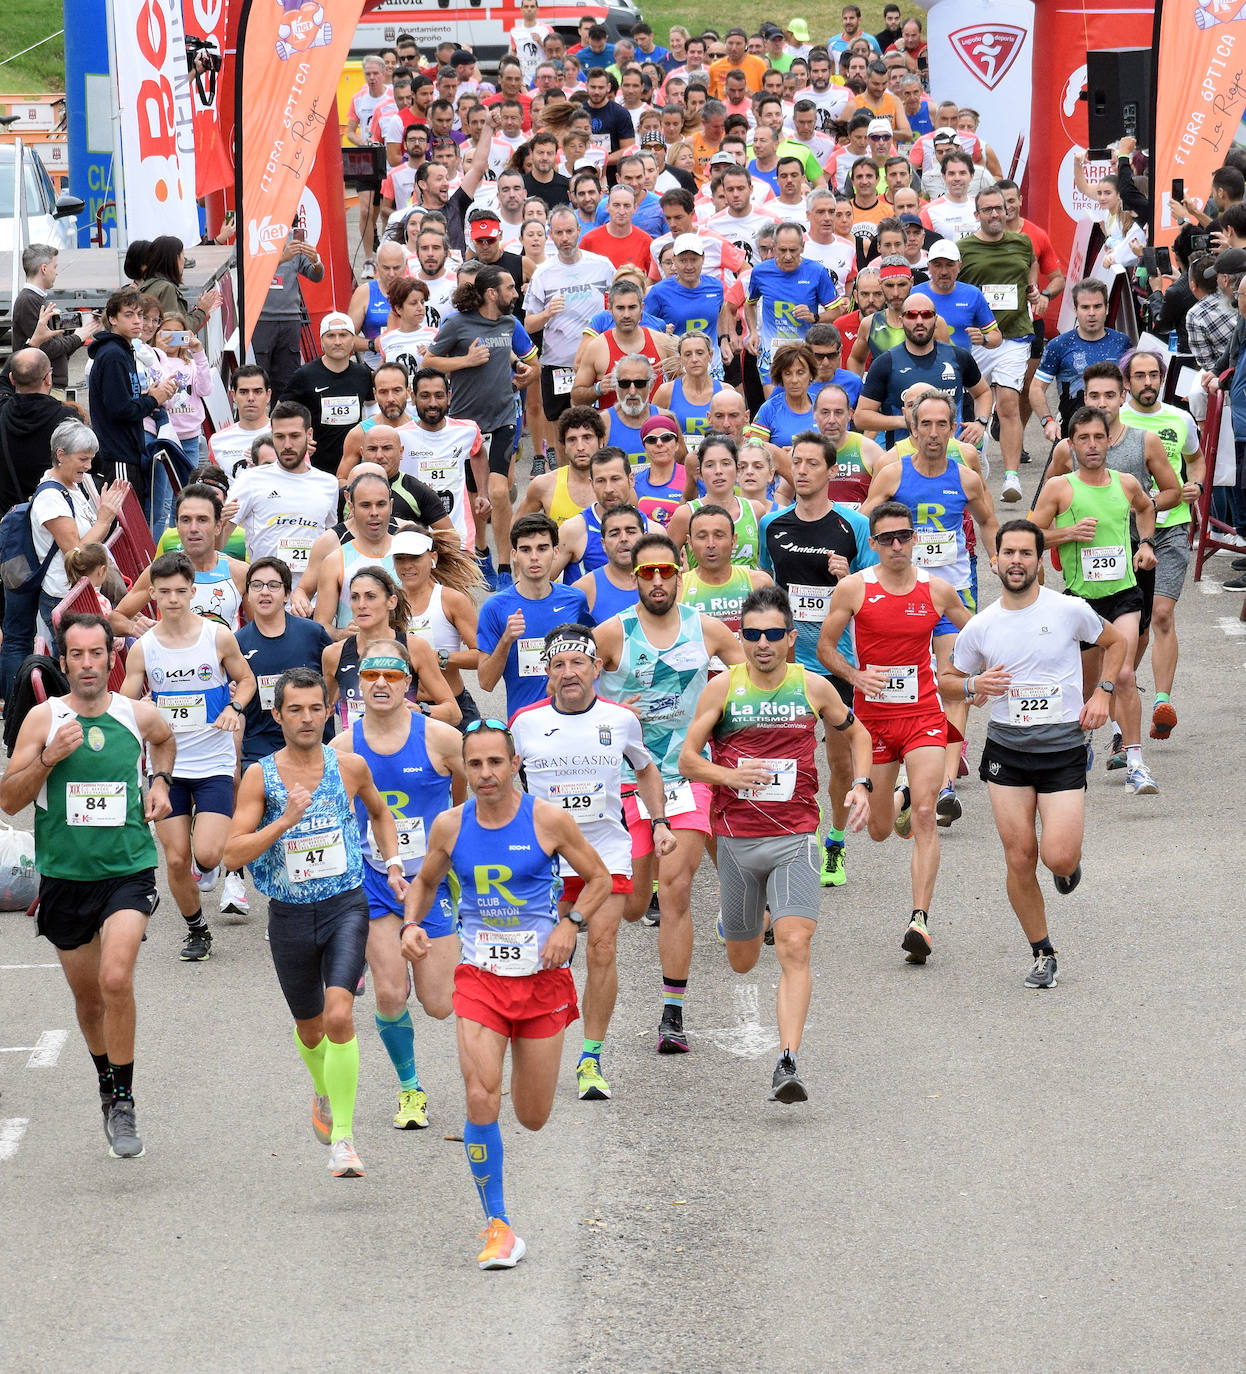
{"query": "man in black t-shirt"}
pixel 541 179
pixel 612 125
pixel 335 388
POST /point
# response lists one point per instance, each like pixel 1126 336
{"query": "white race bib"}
pixel 679 801
pixel 1104 563
pixel 339 410
pixel 412 843
pixel 583 801
pixel 530 651
pixel 184 711
pixel 563 378
pixel 1001 297
pixel 1035 703
pixel 267 683
pixel 809 603
pixel 95 803
pixel 510 953
pixel 901 684
pixel 315 856
pixel 782 784
pixel 934 548
pixel 436 472
pixel 296 549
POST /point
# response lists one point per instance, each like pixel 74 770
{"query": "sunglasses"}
pixel 826 357
pixel 381 675
pixel 487 723
pixel 772 634
pixel 894 537
pixel 658 439
pixel 919 315
pixel 648 571
pixel 622 382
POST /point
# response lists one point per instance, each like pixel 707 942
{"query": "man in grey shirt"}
pixel 275 341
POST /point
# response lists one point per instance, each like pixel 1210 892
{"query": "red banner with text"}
pixel 205 42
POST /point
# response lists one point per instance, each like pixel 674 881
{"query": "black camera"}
pixel 203 58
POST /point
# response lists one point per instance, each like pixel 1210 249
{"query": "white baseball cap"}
pixel 336 319
pixel 879 126
pixel 943 248
pixel 413 542
pixel 688 243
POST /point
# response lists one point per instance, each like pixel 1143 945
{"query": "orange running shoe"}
pixel 322 1118
pixel 503 1248
pixel 1163 720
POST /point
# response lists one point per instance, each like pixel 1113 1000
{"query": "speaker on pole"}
pixel 1119 96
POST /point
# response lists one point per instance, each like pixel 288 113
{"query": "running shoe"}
pixel 368 270
pixel 1236 584
pixel 994 426
pixel 197 945
pixel 833 874
pixel 1116 758
pixel 671 1037
pixel 503 1248
pixel 234 896
pixel 123 1141
pixel 786 1085
pixel 362 985
pixel 1163 720
pixel 322 1117
pixel 1140 782
pixel 592 1086
pixel 485 559
pixel 1066 885
pixel 948 807
pixel 653 912
pixel 1238 565
pixel 916 940
pixel 538 465
pixel 106 1109
pixel 1025 456
pixel 962 767
pixel 719 931
pixel 904 817
pixel 412 1110
pixel 1044 972
pixel 343 1161
pixel 205 882
pixel 1011 490
pixel 768 937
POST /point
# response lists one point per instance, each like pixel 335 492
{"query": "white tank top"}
pixel 435 626
pixel 190 688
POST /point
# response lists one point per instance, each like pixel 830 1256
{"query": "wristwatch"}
pixel 575 918
pixel 168 778
pixel 659 820
pixel 1047 419
pixel 1108 687
pixel 863 782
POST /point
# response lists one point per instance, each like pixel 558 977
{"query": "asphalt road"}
pixel 984 1179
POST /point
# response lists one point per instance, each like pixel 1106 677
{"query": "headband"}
pixel 378 661
pixel 570 642
pixel 895 270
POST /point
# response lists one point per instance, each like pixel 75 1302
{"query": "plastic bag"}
pixel 19 883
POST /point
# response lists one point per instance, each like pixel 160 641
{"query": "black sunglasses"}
pixel 772 633
pixel 637 382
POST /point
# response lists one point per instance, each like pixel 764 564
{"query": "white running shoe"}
pixel 205 882
pixel 234 896
pixel 1011 490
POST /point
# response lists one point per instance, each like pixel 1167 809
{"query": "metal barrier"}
pixel 1207 541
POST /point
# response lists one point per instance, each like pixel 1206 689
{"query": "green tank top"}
pixel 1171 425
pixel 235 546
pixel 722 600
pixel 883 335
pixel 1105 565
pixel 89 814
pixel 747 551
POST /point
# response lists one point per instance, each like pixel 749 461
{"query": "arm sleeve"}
pixel 521 342
pixel 1131 198
pixel 313 271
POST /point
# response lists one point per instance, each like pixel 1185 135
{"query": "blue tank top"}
pixel 415 792
pixel 594 554
pixel 691 418
pixel 608 600
pixel 938 506
pixel 320 857
pixel 507 883
pixel 625 437
pixel 376 317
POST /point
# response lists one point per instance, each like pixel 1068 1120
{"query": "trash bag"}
pixel 19 883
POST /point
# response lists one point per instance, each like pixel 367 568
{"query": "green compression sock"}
pixel 1162 697
pixel 341 1076
pixel 313 1057
pixel 592 1049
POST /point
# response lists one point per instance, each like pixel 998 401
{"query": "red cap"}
pixel 486 229
pixel 656 422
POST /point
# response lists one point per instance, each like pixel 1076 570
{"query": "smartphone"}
pixel 1163 260
pixel 1178 189
pixel 299 234
pixel 180 338
pixel 1200 242
pixel 1099 155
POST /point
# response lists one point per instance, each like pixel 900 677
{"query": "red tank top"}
pixel 615 355
pixel 893 632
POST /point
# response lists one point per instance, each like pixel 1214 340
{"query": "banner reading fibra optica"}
pixel 1201 89
pixel 290 55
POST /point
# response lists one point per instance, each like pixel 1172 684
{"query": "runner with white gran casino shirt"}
pixel 284 507
pixel 572 748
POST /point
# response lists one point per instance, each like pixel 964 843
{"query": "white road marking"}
pixel 16 1049
pixel 748 1038
pixel 4 967
pixel 1208 587
pixel 11 1131
pixel 1232 626
pixel 47 1049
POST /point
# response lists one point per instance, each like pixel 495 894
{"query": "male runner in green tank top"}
pixel 79 758
pixel 1086 516
pixel 717 587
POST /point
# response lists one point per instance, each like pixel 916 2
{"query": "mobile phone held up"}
pixel 179 338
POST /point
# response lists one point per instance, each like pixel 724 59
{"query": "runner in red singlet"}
pixel 894 608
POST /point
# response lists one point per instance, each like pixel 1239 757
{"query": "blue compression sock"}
pixel 484 1157
pixel 398 1037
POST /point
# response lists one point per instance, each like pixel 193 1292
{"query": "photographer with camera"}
pixel 37 321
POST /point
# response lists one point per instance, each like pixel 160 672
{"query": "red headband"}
pixel 893 271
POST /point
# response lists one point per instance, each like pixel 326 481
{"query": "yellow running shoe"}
pixel 593 1087
pixel 503 1248
pixel 412 1110
pixel 322 1118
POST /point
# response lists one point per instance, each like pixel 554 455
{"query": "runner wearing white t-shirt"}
pixel 436 450
pixel 741 222
pixel 527 40
pixel 230 446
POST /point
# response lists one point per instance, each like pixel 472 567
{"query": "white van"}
pixel 483 26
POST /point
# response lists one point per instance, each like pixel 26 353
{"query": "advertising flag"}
pixel 205 35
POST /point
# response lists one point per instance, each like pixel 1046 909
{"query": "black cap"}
pixel 1232 261
pixel 461 58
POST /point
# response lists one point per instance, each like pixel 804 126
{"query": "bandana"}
pixel 895 270
pixel 570 642
pixel 376 662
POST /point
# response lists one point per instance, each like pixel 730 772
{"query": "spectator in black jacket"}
pixel 27 420
pixel 118 401
pixel 34 316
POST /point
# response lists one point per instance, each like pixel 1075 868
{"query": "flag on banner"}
pixel 290 56
pixel 1200 86
pixel 205 47
pixel 157 152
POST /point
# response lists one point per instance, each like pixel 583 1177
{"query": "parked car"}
pixel 49 218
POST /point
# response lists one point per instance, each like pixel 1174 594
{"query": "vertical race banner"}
pixel 206 35
pixel 981 53
pixel 157 151
pixel 1200 81
pixel 89 101
pixel 290 54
